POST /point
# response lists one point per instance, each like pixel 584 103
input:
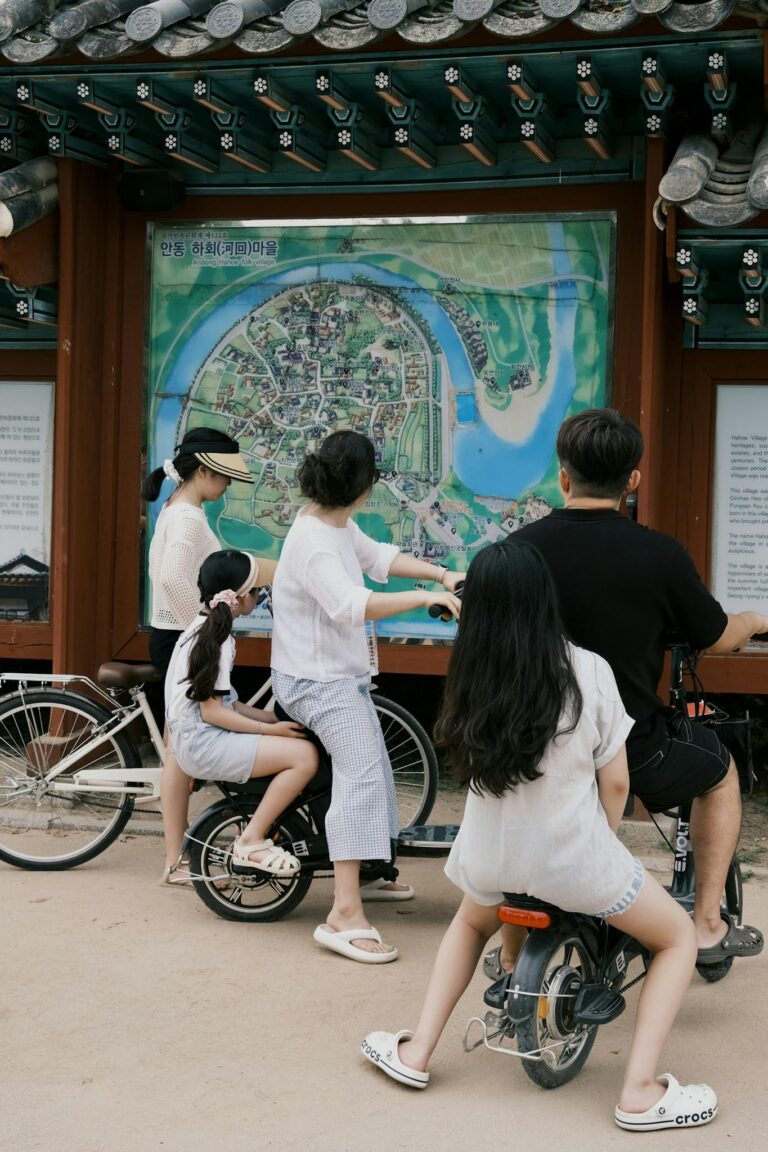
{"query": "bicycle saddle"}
pixel 523 900
pixel 116 675
pixel 257 785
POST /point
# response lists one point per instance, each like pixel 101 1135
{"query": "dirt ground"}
pixel 135 1019
pixel 753 846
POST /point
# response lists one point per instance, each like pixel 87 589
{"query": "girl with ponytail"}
pixel 214 736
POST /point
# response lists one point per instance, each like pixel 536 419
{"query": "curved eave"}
pixel 433 23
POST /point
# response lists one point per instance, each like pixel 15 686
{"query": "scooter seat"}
pixel 532 903
pixel 258 785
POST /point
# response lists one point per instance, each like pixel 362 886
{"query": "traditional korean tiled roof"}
pixel 32 31
pixel 718 189
pixel 28 192
pixel 22 567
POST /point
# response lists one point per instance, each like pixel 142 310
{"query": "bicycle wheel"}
pixel 553 965
pixel 256 897
pixel 42 827
pixel 413 759
pixel 733 903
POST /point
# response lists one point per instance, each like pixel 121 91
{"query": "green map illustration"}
pixel 457 346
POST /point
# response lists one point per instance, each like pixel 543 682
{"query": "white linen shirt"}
pixel 319 599
pixel 550 837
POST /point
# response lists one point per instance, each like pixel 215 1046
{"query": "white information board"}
pixel 740 528
pixel 26 465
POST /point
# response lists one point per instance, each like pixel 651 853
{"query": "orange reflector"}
pixel 526 917
pixel 543 1008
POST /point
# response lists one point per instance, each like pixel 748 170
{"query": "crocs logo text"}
pixel 695 1117
pixel 370 1052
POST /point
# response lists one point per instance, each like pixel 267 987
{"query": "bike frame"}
pixel 135 780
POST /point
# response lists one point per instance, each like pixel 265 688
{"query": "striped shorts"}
pixel 362 820
pixel 629 897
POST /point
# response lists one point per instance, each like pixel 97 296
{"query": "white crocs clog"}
pixel 681 1106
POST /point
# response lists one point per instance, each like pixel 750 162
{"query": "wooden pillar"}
pixel 652 360
pixel 79 639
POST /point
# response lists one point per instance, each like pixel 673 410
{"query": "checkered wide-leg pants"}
pixel 362 819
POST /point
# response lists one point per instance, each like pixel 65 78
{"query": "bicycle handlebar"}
pixel 437 611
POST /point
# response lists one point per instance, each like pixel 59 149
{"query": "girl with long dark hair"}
pixel 205 463
pixel 536 731
pixel 214 736
pixel 321 672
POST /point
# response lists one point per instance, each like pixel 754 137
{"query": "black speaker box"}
pixel 150 190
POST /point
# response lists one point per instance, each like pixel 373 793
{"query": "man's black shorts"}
pixel 689 761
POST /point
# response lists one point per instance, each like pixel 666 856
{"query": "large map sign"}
pixel 457 345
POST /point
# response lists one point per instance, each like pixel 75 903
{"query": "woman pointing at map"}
pixel 321 673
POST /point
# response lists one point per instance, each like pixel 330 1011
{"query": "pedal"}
pixel 597 1004
pixel 243 872
pixel 495 995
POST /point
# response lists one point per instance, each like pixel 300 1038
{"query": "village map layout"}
pixel 458 347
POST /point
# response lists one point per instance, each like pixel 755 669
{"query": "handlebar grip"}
pixel 438 612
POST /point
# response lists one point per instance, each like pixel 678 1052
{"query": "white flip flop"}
pixel 681 1106
pixel 381 1049
pixel 377 890
pixel 341 942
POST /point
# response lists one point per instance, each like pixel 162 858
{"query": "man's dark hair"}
pixel 599 449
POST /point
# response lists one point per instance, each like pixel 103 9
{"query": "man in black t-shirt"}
pixel 625 591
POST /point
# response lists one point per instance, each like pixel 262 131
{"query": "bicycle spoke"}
pixel 45 821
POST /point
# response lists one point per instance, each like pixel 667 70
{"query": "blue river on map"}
pixel 487 464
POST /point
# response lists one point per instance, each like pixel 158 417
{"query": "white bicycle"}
pixel 71 767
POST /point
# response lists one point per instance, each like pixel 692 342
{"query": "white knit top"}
pixel 182 540
pixel 319 599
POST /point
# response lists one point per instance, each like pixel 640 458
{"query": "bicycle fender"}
pixel 525 980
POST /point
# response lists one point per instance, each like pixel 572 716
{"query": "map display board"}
pixel 740 506
pixel 26 470
pixel 457 345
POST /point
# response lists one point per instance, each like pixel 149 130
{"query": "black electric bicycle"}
pixel 243 894
pixel 572 972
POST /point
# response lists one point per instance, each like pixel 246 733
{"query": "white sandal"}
pixel 277 862
pixel 177 875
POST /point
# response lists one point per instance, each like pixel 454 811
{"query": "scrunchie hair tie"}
pixel 171 473
pixel 227 597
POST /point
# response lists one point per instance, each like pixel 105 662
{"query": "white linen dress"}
pixel 549 837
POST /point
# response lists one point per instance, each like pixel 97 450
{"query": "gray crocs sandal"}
pixel 681 1106
pixel 739 940
pixel 492 964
